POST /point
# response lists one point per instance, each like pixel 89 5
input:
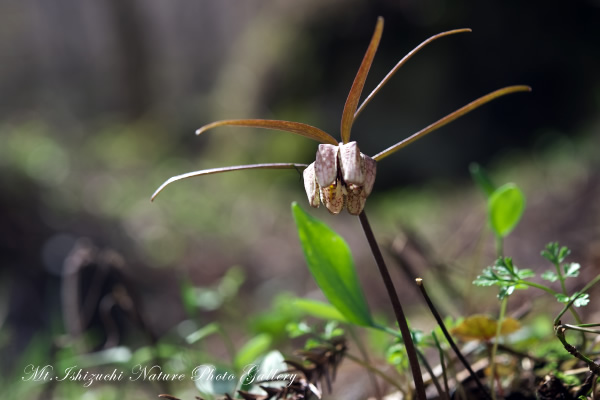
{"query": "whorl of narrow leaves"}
pixel 354 184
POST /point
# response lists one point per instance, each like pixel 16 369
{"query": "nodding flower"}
pixel 342 176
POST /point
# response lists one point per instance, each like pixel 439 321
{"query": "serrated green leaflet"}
pixel 550 276
pixel 330 263
pixel 562 298
pixel 581 300
pixel 572 270
pixel 505 207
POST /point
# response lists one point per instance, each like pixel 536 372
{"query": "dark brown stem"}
pixel 455 348
pixel 587 385
pixel 400 317
pixel 434 379
pixel 520 354
pixel 559 331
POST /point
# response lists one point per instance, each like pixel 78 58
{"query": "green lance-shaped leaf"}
pixel 330 263
pixel 505 208
pixel 203 332
pixel 318 309
pixel 253 349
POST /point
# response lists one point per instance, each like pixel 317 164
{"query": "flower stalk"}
pixel 411 351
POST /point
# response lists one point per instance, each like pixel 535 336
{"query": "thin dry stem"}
pixel 411 351
pixel 453 345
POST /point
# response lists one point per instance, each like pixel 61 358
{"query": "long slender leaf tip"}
pixel 298 128
pixel 359 83
pixel 402 62
pixel 225 169
pixel 451 117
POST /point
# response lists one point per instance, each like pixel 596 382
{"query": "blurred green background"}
pixel 100 101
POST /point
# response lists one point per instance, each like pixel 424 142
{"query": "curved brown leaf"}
pixel 225 169
pixel 451 117
pixel 298 128
pixel 402 62
pixel 359 83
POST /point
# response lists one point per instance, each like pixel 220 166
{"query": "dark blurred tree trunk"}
pixel 133 57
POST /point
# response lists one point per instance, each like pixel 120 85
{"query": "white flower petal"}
pixel 311 186
pixel 326 164
pixel 352 164
pixel 370 172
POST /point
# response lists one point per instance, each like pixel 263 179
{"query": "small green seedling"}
pixel 505 275
pixel 508 277
pixel 505 205
pixel 505 208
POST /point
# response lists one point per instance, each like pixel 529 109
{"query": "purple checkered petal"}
pixel 333 198
pixel 355 200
